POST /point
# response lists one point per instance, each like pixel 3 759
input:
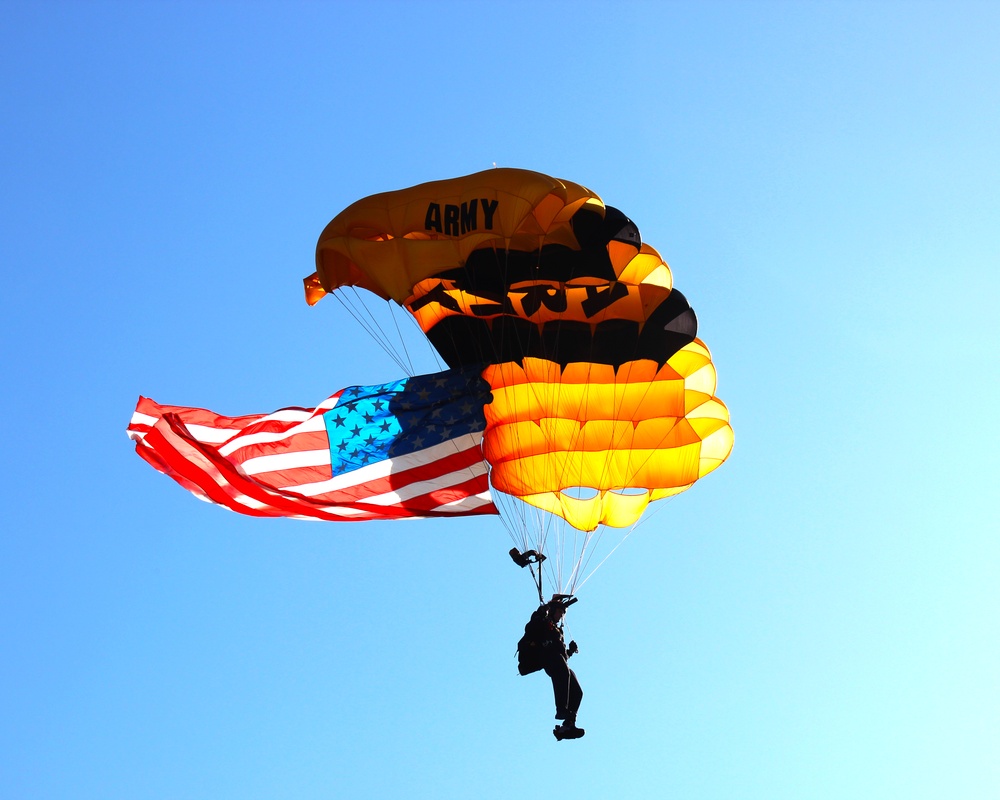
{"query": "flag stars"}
pixel 373 423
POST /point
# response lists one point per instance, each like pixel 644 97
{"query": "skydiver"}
pixel 543 648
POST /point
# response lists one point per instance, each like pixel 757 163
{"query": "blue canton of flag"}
pixel 376 423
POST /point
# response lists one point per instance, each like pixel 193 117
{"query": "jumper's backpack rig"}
pixel 529 655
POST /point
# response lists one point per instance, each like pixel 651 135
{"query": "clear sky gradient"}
pixel 817 620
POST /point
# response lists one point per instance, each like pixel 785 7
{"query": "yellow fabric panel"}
pixel 620 253
pixel 601 399
pixel 647 266
pixel 660 494
pixel 615 510
pixel 595 391
pixel 716 446
pixel 605 469
pixel 519 440
pixel 692 359
pixel 388 242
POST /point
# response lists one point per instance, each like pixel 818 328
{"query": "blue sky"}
pixel 817 619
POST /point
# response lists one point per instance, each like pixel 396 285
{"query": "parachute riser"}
pixel 538 582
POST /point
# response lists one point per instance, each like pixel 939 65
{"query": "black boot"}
pixel 568 730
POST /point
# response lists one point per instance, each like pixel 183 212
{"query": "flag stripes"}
pixel 279 464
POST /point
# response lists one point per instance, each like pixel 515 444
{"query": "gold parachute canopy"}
pixel 603 396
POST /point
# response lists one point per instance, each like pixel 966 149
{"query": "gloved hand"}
pixel 572 649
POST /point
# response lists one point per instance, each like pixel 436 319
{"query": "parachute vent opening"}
pixel 581 492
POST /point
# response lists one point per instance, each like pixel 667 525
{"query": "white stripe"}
pixel 300 414
pixel 220 435
pixel 250 502
pixel 310 422
pixel 342 511
pixel 288 415
pixel 463 506
pixel 472 501
pixel 282 461
pixel 309 426
pixel 207 435
pixel 201 433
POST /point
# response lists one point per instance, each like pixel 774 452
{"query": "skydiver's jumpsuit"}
pixel 554 659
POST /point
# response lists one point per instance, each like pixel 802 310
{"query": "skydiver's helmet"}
pixel 556 607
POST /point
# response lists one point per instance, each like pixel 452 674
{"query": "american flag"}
pixel 411 448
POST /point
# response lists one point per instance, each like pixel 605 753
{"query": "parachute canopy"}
pixel 603 397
